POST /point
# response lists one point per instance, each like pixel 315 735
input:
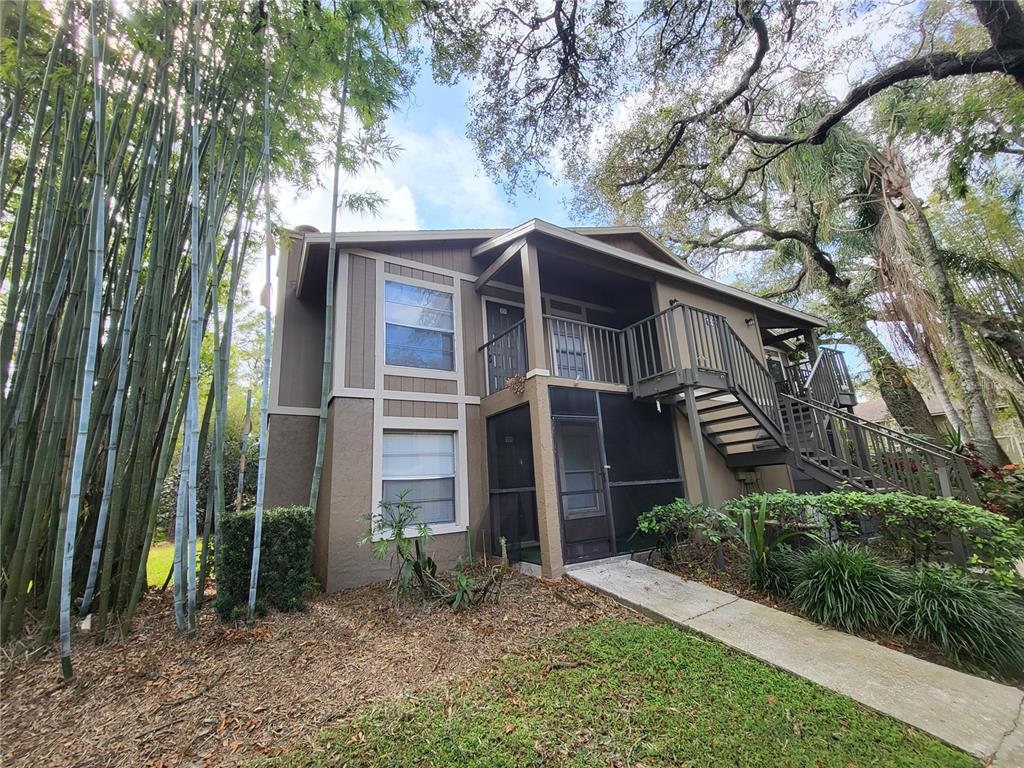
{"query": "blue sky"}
pixel 437 181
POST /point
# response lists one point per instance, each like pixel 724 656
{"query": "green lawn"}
pixel 627 694
pixel 161 556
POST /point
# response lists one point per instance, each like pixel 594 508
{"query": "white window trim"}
pixel 456 426
pixel 383 368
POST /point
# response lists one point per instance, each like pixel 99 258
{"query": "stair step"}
pixel 734 430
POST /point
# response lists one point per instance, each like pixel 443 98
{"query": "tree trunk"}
pixel 1004 22
pixel 959 348
pixel 901 397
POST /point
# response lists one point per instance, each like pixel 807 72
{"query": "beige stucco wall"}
pixel 340 563
pixel 290 453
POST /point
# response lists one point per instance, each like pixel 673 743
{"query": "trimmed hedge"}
pixel 286 554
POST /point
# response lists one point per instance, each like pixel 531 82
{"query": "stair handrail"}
pixel 960 471
pixel 927 445
pixel 766 395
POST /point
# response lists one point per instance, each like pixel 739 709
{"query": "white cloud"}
pixel 314 207
pixel 436 182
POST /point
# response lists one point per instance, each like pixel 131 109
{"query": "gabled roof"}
pixel 680 273
pixel 494 239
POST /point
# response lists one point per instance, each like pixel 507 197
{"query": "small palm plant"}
pixel 390 528
pixel 759 549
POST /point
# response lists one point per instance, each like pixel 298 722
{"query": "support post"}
pixel 536 359
pixel 693 416
pixel 549 521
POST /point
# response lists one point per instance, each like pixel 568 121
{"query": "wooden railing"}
pixel 751 377
pixel 578 350
pixel 872 455
pixel 653 346
pixel 829 380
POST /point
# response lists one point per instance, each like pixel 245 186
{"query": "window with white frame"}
pixel 419 329
pixel 422 463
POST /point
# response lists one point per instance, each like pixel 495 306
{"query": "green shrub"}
pixel 286 547
pixel 387 532
pixel 975 623
pixel 915 528
pixel 845 587
pixel 682 521
pixel 762 549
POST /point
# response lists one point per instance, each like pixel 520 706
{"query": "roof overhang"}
pixel 538 226
pixel 349 239
pixel 490 240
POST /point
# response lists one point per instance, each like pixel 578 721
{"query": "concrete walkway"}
pixel 975 715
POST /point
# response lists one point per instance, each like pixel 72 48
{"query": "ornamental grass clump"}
pixel 976 623
pixel 846 587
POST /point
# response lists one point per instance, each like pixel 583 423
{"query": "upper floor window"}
pixel 419 327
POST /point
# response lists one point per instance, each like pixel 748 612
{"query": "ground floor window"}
pixel 423 465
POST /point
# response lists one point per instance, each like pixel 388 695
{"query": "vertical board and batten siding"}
pixel 472 339
pixel 439 253
pixel 360 337
pixel 301 344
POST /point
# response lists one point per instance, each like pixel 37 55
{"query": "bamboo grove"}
pixel 139 146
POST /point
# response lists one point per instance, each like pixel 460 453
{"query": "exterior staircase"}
pixel 695 361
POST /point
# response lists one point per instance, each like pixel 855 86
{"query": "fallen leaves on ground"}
pixel 235 693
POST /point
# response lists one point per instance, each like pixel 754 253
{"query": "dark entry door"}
pixel 501 317
pixel 586 523
pixel 507 355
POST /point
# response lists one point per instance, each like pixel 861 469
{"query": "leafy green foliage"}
pixel 681 521
pixel 915 528
pixel 761 548
pixel 845 587
pixel 625 693
pixel 975 623
pixel 285 561
pixel 389 531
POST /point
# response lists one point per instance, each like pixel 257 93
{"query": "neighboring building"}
pixel 532 384
pixel 1007 427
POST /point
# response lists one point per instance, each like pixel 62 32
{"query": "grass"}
pixel 624 693
pixel 161 557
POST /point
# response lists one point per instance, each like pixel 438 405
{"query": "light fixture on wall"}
pixel 749 321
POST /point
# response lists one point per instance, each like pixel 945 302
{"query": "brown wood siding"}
pixel 360 337
pixel 302 338
pixel 417 384
pixel 472 338
pixel 444 254
pixel 418 274
pixel 420 409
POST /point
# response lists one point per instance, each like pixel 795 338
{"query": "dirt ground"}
pixel 232 694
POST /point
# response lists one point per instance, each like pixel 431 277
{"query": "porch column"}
pixel 549 524
pixel 536 356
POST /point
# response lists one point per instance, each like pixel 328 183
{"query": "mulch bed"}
pixel 232 694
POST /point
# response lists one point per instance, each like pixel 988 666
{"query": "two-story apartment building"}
pixel 541 384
